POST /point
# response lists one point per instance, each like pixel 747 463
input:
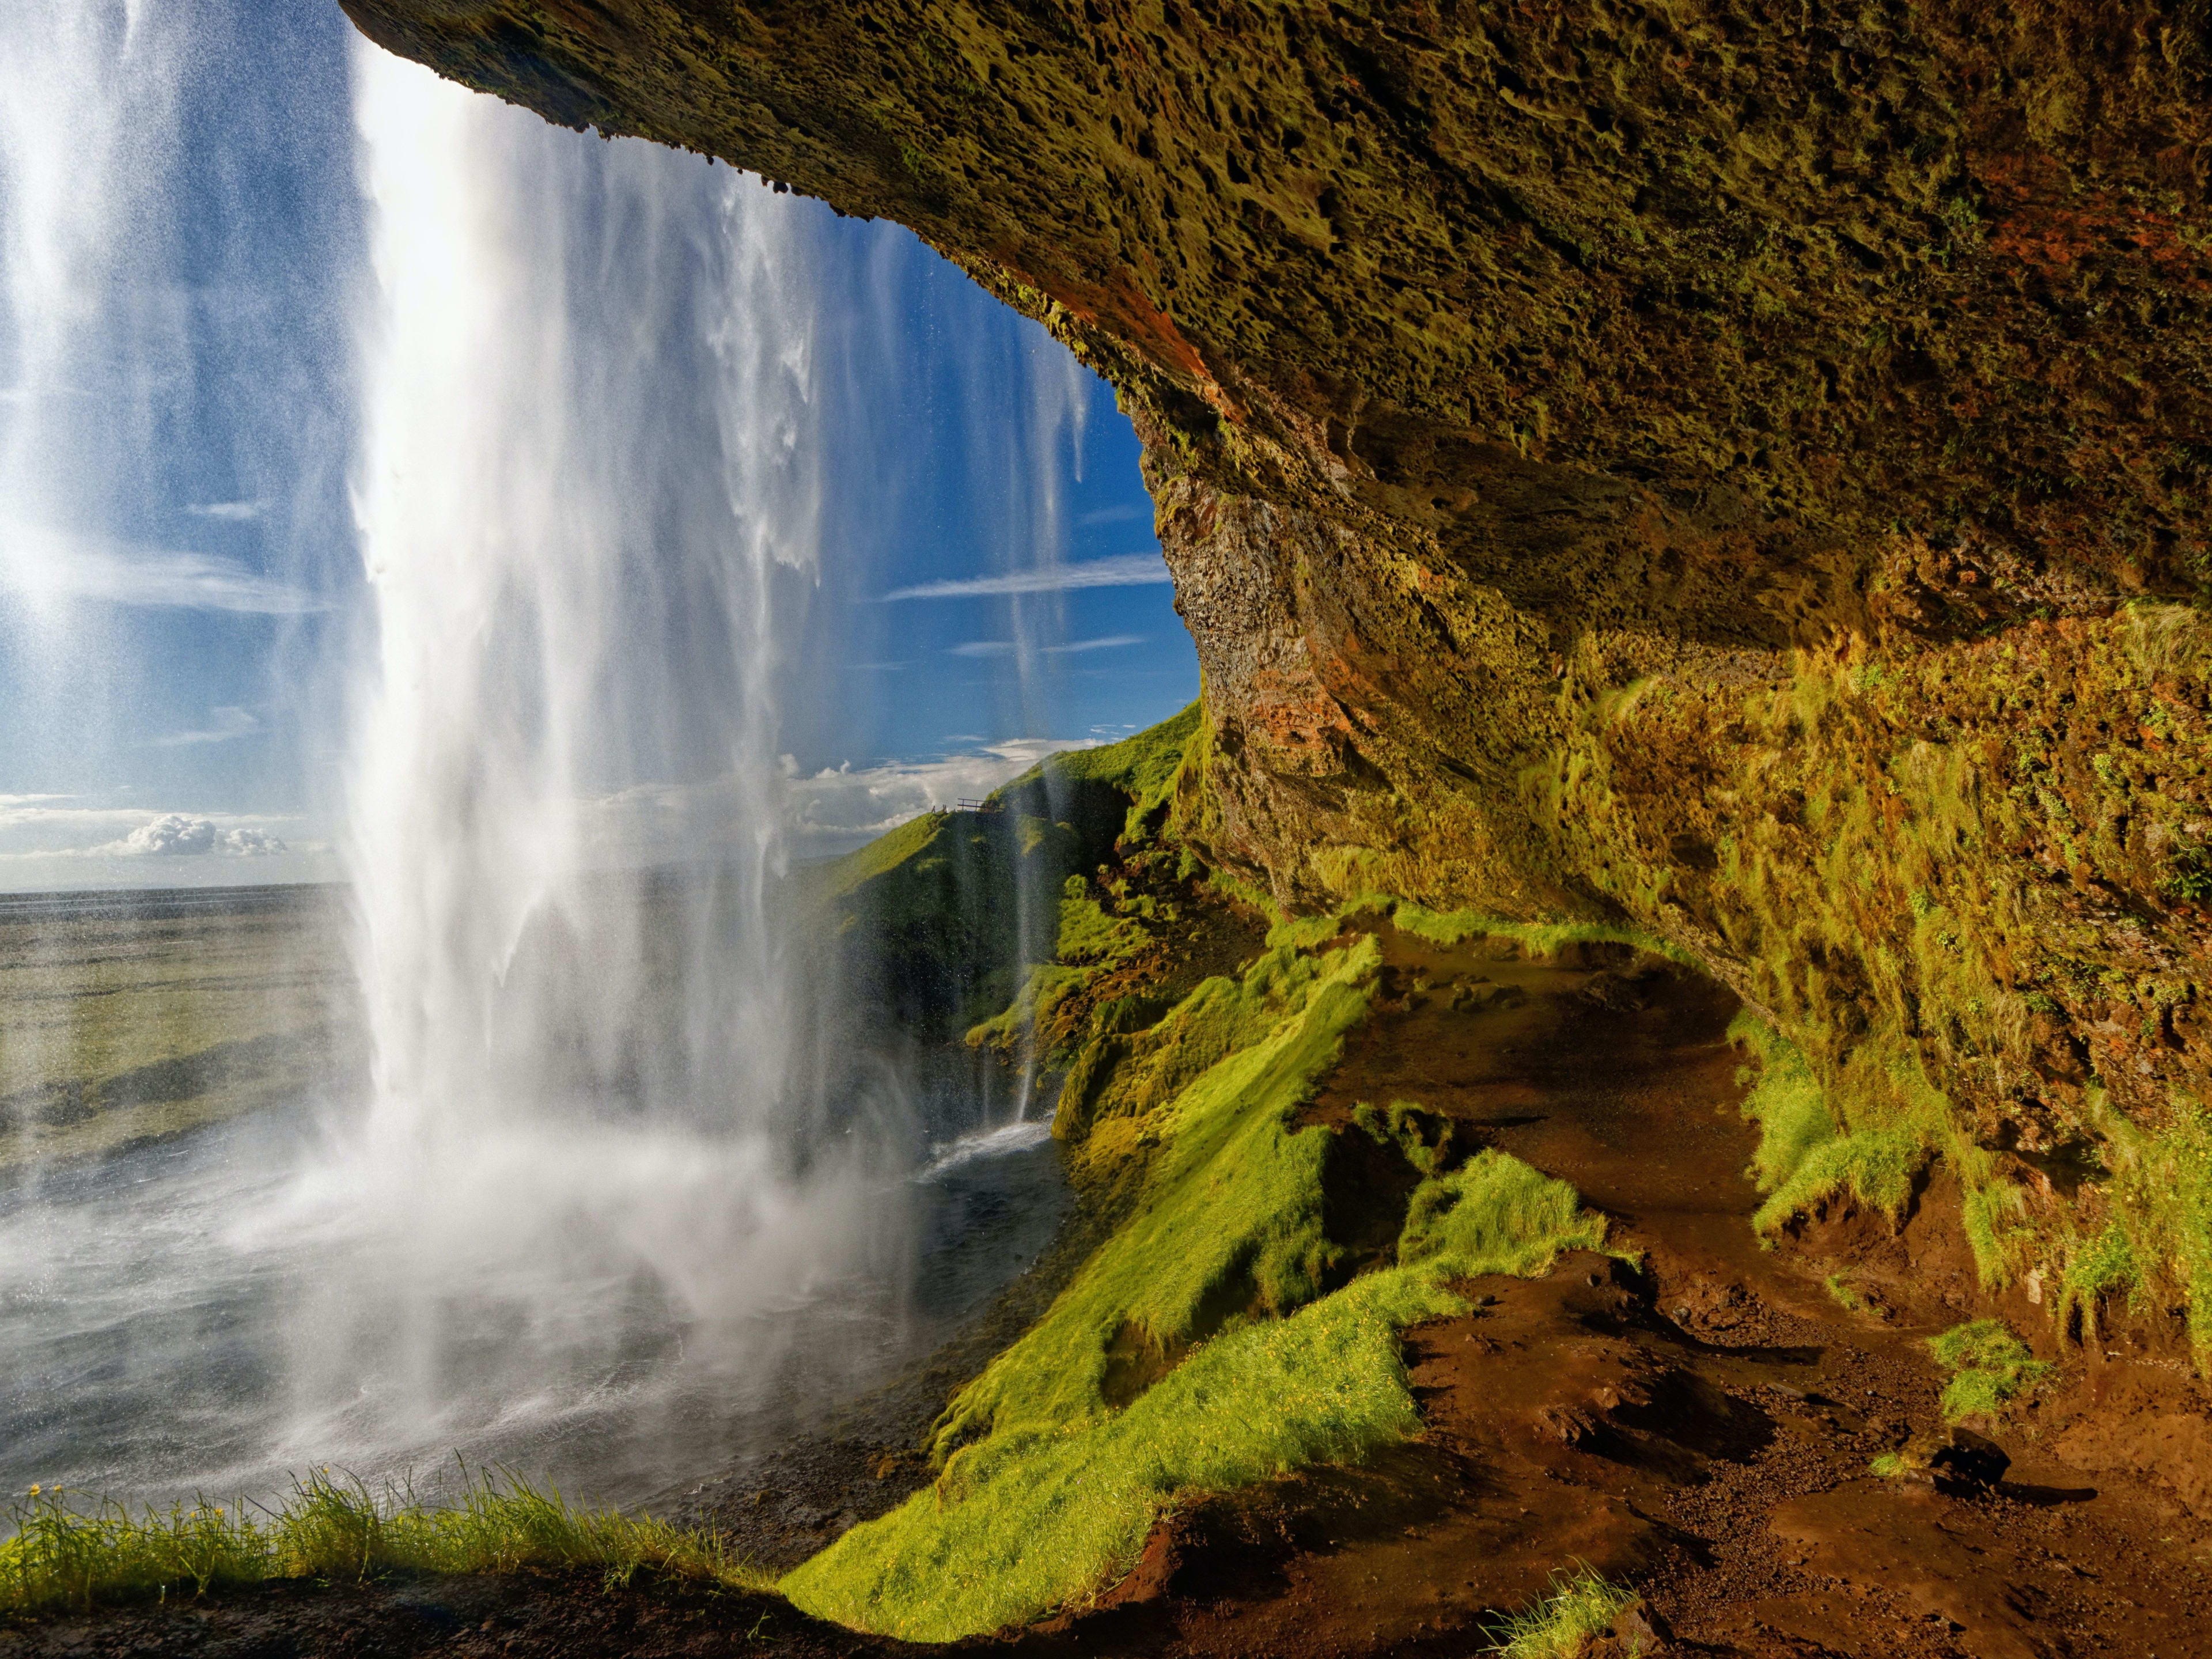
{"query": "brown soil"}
pixel 1699 1423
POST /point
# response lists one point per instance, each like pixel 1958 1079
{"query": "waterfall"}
pixel 537 492
pixel 588 511
pixel 587 507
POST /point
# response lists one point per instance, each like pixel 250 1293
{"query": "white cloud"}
pixel 1122 570
pixel 175 835
pixel 838 809
pixel 54 842
pixel 229 512
pixel 1121 514
pixel 224 724
pixel 42 564
pixel 825 813
pixel 1005 647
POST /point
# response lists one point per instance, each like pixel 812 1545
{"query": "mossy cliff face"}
pixel 1741 467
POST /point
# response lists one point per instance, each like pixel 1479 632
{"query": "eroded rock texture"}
pixel 1743 465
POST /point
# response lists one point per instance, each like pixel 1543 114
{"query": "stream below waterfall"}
pixel 167 1326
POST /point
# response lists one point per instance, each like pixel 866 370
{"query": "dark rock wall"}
pixel 1742 466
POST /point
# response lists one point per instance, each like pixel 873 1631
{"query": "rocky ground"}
pixel 1698 1421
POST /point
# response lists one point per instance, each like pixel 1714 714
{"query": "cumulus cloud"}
pixel 177 834
pixel 839 808
pixel 825 813
pixel 1122 570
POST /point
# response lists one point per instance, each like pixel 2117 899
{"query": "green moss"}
pixel 1304 933
pixel 2159 1189
pixel 1988 1365
pixel 1043 1515
pixel 933 916
pixel 1200 1349
pixel 1118 1075
pixel 1449 928
pixel 1787 1103
pixel 1144 768
pixel 1088 934
pixel 1804 1155
pixel 1424 1137
pixel 1496 1210
pixel 886 852
pixel 1541 939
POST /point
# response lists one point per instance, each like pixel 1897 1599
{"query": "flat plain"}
pixel 129 1016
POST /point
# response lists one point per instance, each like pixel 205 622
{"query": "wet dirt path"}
pixel 1702 1425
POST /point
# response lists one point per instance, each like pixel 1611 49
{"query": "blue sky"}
pixel 186 246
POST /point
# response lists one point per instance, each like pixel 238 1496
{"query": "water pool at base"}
pixel 215 1314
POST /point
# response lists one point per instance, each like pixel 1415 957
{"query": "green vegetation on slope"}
pixel 1199 1350
pixel 1894 850
pixel 943 919
pixel 62 1557
pixel 1804 1156
pixel 1988 1365
pixel 2157 1197
pixel 1448 928
pixel 1228 1217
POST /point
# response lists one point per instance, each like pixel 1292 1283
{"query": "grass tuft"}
pixel 1988 1365
pixel 1495 1214
pixel 1580 1605
pixel 2100 1268
pixel 1804 1154
pixel 63 1555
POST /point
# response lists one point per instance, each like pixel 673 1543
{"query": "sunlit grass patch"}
pixel 1988 1365
pixel 1040 1515
pixel 1451 927
pixel 1580 1606
pixel 1495 1214
pixel 67 1554
pixel 2161 1232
